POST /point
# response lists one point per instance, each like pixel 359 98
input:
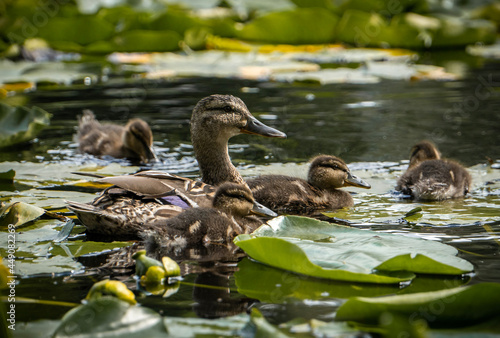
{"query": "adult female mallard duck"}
pixel 429 177
pixel 150 197
pixel 133 141
pixel 287 194
pixel 230 215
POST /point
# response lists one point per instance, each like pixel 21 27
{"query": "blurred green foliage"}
pixel 148 26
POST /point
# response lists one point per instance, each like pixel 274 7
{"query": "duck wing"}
pixel 157 184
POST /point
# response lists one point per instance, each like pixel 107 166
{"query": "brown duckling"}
pixel 429 177
pixel 229 216
pixel 152 196
pixel 133 141
pixel 287 194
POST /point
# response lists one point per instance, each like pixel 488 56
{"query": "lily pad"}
pixel 19 213
pixel 108 317
pixel 454 307
pixel 319 249
pixel 317 25
pixel 21 124
pixel 273 285
pixel 81 30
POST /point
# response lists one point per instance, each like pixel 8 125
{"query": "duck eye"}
pixel 227 109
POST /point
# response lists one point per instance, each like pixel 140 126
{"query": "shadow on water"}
pixel 374 124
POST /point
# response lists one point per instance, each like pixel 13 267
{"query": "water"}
pixel 371 126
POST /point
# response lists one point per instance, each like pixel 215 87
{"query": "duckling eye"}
pixel 227 109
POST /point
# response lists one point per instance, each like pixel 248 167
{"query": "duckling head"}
pixel 224 116
pixel 330 172
pixel 237 200
pixel 138 138
pixel 423 151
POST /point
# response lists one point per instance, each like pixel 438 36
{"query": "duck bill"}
pixel 256 127
pixel 260 210
pixel 355 181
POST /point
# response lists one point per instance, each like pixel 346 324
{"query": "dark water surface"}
pixel 371 126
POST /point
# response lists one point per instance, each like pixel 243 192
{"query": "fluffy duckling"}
pixel 151 197
pixel 287 194
pixel 133 141
pixel 229 216
pixel 429 177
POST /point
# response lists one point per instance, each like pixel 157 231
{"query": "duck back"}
pixel 294 195
pixel 435 180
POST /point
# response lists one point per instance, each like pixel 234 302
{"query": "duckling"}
pixel 431 178
pixel 230 215
pixel 133 141
pixel 294 195
pixel 153 196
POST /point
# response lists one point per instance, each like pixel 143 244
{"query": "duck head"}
pixel 330 172
pixel 224 116
pixel 237 200
pixel 423 151
pixel 138 138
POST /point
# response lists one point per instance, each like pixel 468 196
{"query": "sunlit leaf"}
pixel 53 72
pixel 20 124
pixel 19 213
pixel 110 317
pixel 453 307
pixel 314 248
pixel 317 25
pixel 147 41
pixel 81 30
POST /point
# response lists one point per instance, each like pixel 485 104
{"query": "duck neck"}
pixel 214 162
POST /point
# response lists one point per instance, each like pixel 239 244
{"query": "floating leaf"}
pixel 81 30
pixel 20 124
pixel 319 249
pixel 51 72
pixel 19 213
pixel 110 317
pixel 317 25
pixel 454 307
pixel 80 248
pixel 263 327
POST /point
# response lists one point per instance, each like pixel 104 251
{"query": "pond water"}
pixel 371 126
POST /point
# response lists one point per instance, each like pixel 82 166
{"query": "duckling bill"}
pixel 432 178
pixel 287 194
pixel 231 214
pixel 133 141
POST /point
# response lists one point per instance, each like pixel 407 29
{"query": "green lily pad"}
pixel 19 213
pixel 319 249
pixel 109 317
pixel 81 30
pixel 446 308
pixel 273 285
pixel 147 41
pixel 21 124
pixel 317 25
